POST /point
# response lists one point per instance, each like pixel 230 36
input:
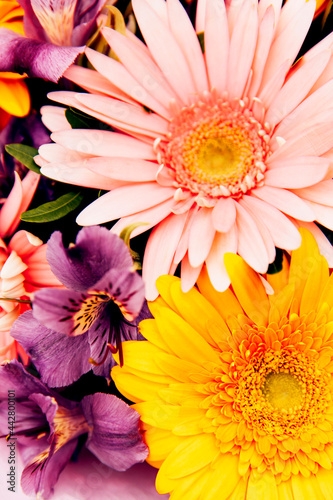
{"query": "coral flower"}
pixel 230 148
pixel 23 265
pixel 15 98
pixel 235 388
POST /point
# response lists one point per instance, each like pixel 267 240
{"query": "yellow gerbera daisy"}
pixel 15 98
pixel 235 389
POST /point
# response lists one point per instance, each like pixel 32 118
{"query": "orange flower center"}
pixel 282 393
pixel 216 149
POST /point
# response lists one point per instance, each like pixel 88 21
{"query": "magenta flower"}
pixel 235 151
pixel 56 31
pixel 73 330
pixel 47 428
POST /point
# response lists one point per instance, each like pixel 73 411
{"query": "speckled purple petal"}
pixel 37 59
pixel 42 473
pixel 114 438
pixel 66 311
pixel 60 359
pixel 96 251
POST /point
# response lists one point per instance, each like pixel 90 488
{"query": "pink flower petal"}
pixel 283 232
pixel 125 113
pixel 24 243
pixel 201 236
pixel 317 108
pixel 58 154
pixel 119 76
pixel 216 44
pixel 77 174
pixel 311 142
pixel 242 48
pixel 320 193
pixel 323 214
pixel 160 250
pixel 223 243
pixel 285 201
pixel 124 201
pixel 189 274
pixel 265 37
pixel 92 81
pixel 142 67
pixel 147 218
pixel 288 43
pixel 123 169
pixel 251 245
pixel 12 267
pixel 187 39
pixel 183 240
pixel 296 88
pixel 299 172
pixel 17 202
pixel 224 214
pixel 104 143
pixel 263 229
pixel 162 44
pixel 54 118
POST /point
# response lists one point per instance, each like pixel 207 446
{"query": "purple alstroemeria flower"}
pixel 47 427
pixel 73 330
pixel 56 31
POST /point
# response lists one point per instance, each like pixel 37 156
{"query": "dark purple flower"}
pixel 56 31
pixel 47 428
pixel 74 329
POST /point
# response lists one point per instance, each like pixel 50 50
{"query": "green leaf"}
pixel 201 38
pixel 276 266
pixel 79 119
pixel 25 154
pixel 53 210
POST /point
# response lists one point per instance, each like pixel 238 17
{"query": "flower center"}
pixel 215 148
pixel 282 391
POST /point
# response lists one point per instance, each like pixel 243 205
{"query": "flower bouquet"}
pixel 166 299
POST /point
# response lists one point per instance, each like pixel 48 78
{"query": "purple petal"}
pixel 115 437
pixel 126 289
pixel 42 473
pixel 85 19
pixel 96 251
pixel 14 377
pixel 37 59
pixel 65 311
pixel 32 27
pixel 59 359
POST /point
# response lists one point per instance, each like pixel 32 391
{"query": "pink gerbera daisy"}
pixel 226 149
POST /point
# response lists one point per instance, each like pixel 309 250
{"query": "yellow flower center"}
pixel 215 149
pixel 283 391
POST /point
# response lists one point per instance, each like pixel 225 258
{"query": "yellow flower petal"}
pixel 194 453
pixel 192 347
pixel 195 309
pixel 160 442
pixel 305 488
pixel 223 479
pixel 15 97
pixel 261 487
pixel 248 288
pixel 224 302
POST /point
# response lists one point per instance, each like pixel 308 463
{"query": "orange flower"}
pixel 15 98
